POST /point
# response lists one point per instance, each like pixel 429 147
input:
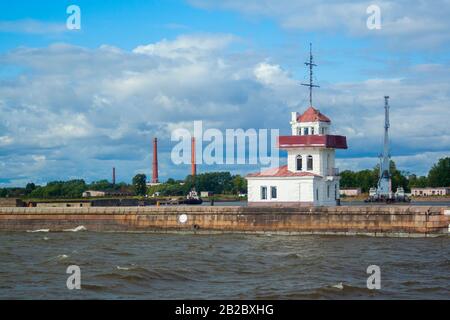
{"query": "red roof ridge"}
pixel 312 115
pixel 281 172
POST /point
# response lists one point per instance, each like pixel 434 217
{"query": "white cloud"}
pixel 85 110
pixel 419 23
pixel 186 46
pixel 5 140
pixel 31 26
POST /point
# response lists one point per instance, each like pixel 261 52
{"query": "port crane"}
pixel 383 191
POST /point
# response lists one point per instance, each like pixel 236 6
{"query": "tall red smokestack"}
pixel 193 164
pixel 114 176
pixel 155 161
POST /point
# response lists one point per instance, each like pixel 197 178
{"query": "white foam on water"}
pixel 39 230
pixel 126 268
pixel 45 238
pixel 79 228
pixel 339 286
pixel 122 268
pixel 62 256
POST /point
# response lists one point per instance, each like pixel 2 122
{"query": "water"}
pixel 229 266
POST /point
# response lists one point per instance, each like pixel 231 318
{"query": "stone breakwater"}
pixel 344 220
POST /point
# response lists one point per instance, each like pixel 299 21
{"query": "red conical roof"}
pixel 312 115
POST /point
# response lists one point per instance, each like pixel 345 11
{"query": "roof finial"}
pixel 311 64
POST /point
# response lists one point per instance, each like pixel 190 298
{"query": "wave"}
pixel 137 274
pixel 39 230
pixel 79 228
pixel 339 286
pixel 334 291
pixel 94 287
pixel 292 256
pixel 132 267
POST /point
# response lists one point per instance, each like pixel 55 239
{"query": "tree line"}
pixel 438 176
pixel 226 183
pixel 216 182
pixel 63 189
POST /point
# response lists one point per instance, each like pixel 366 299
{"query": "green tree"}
pixel 170 181
pixel 101 185
pixel 139 184
pixel 216 182
pixel 239 184
pixel 60 189
pixel 439 174
pixel 398 178
pixel 348 179
pixel 366 179
pixel 29 188
pixel 417 182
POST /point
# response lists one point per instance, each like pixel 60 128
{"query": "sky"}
pixel 75 103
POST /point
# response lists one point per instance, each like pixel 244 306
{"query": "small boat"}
pixel 193 198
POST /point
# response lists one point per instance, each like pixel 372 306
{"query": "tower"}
pixel 384 182
pixel 193 164
pixel 155 161
pixel 310 64
pixel 310 176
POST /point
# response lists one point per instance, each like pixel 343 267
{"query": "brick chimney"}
pixel 193 164
pixel 155 161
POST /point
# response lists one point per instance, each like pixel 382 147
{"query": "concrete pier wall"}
pixel 348 220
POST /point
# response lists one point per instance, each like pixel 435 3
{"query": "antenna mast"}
pixel 384 183
pixel 310 64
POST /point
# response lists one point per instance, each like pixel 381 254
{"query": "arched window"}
pixel 309 163
pixel 299 164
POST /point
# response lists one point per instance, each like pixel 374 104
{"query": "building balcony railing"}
pixel 334 172
pixel 320 141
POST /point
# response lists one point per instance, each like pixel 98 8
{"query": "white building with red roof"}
pixel 310 176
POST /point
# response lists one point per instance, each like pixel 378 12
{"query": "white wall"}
pixel 299 189
pixel 288 190
pixel 318 125
pixel 320 159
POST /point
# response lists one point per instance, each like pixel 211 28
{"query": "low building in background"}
pixel 205 194
pixel 93 193
pixel 424 192
pixel 11 202
pixel 350 192
pixel 62 204
pixel 115 193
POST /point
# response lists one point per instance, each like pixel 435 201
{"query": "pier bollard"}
pixel 157 203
